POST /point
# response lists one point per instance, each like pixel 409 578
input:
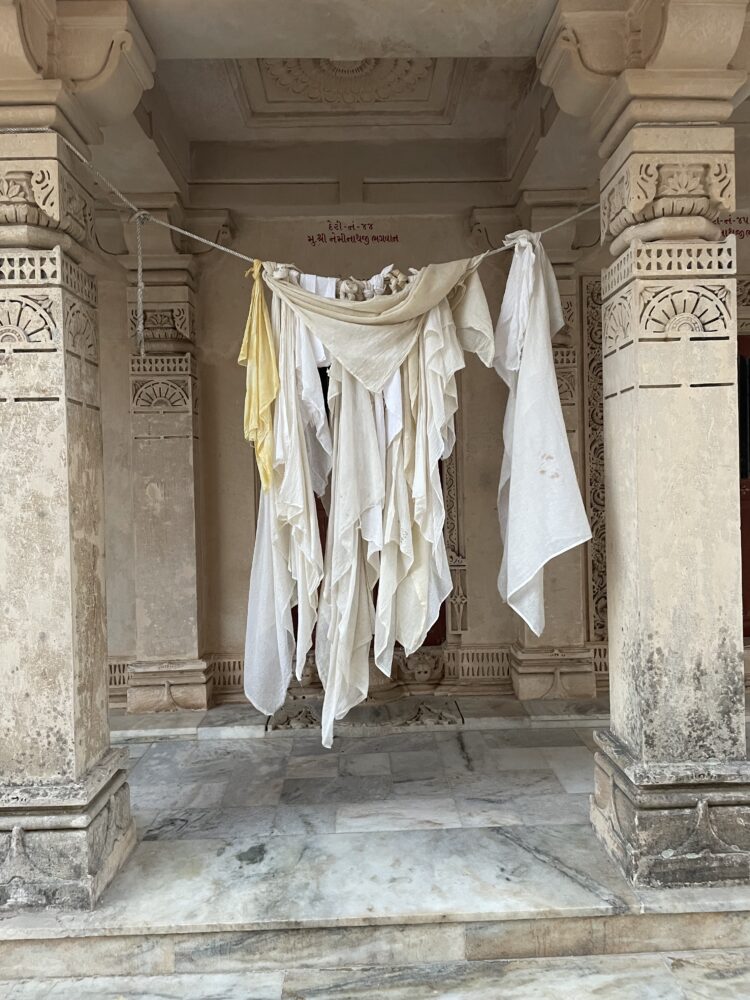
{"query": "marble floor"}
pixel 457 842
pixel 700 975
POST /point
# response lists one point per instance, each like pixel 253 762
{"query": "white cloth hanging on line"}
pixel 393 399
pixel 539 501
pixel 391 427
pixel 287 565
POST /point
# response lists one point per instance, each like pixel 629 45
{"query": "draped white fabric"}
pixel 539 501
pixel 287 563
pixel 392 401
pixel 392 421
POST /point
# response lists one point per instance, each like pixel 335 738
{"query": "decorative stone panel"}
pixel 594 456
pixel 168 317
pixel 169 672
pixel 45 193
pixel 552 673
pixel 668 173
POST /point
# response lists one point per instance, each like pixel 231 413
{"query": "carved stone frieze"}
pixel 27 320
pixel 322 92
pixel 163 384
pixel 669 333
pixel 686 184
pixel 80 329
pixel 566 370
pixel 670 310
pixel 425 667
pixel 70 864
pixel 165 324
pixel 458 602
pixel 743 305
pixel 595 493
pixel 45 195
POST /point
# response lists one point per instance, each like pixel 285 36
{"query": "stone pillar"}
pixel 170 671
pixel 65 823
pixel 672 799
pixel 560 663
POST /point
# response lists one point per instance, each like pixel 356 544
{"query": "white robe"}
pixel 539 501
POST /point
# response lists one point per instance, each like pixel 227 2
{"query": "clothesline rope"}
pixel 141 215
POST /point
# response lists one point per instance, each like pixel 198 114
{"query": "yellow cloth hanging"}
pixel 262 384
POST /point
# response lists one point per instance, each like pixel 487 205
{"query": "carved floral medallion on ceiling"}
pixel 325 91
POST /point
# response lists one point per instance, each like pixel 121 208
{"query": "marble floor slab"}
pixel 408 828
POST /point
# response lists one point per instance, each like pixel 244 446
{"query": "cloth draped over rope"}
pixel 392 400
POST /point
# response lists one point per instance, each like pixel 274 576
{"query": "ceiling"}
pixel 313 100
pixel 342 29
pixel 300 104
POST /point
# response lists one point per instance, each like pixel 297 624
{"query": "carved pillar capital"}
pixel 649 62
pixel 667 183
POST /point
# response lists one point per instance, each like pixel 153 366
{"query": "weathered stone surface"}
pixel 65 824
pixel 70 864
pixel 673 834
pixel 169 686
pixel 552 673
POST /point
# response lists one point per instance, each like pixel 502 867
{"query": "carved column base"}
pixel 61 845
pixel 552 673
pixel 170 686
pixel 672 825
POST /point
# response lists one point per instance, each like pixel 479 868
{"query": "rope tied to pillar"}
pixel 139 218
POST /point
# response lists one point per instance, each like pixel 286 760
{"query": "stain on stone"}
pixel 253 855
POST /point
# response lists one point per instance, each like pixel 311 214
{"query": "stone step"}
pixel 673 974
pixel 417 713
pixel 238 949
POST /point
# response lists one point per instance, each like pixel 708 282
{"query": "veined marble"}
pixel 700 975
